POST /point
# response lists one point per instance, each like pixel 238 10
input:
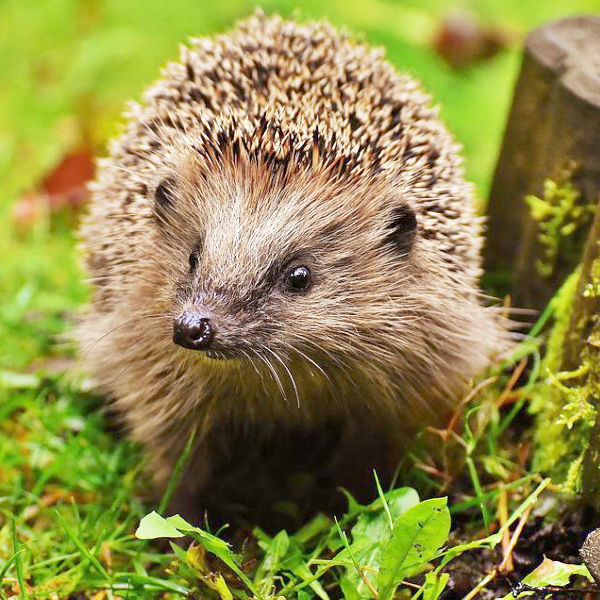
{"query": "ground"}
pixel 72 490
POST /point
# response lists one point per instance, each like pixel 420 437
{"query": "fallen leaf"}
pixel 63 188
pixel 462 41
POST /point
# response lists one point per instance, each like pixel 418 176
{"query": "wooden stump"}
pixel 553 126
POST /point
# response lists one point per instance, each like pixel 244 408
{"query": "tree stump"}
pixel 553 128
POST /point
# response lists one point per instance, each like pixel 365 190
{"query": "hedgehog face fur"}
pixel 286 201
pixel 274 290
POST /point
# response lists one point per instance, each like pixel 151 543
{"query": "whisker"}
pixel 275 376
pixel 120 373
pixel 292 380
pixel 258 371
pixel 311 361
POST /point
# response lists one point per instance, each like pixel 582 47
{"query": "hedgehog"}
pixel 282 237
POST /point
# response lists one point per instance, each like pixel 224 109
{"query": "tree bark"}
pixel 554 123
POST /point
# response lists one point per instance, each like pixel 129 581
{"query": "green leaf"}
pixel 369 535
pixel 222 588
pixel 162 584
pixel 383 499
pixel 153 526
pixel 374 525
pixel 312 529
pixel 400 500
pixel 353 591
pixel 551 572
pixel 295 562
pixel 179 552
pixel 275 549
pixel 434 585
pixel 418 535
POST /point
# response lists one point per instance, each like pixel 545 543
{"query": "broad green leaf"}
pixel 179 522
pixel 551 572
pixel 418 535
pixel 369 535
pixel 374 526
pixel 153 526
pixel 400 500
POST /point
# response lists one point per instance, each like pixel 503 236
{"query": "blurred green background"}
pixel 67 68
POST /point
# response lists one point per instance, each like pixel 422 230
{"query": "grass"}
pixel 70 490
pixel 71 501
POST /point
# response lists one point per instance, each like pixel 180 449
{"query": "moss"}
pixel 552 434
pixel 592 289
pixel 559 214
pixel 561 305
pixel 565 402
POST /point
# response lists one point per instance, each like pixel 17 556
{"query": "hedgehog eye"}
pixel 403 229
pixel 297 279
pixel 164 195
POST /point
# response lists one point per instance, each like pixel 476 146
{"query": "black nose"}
pixel 193 330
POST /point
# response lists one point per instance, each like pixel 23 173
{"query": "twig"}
pixel 511 382
pixel 539 592
pixel 514 539
pixel 503 517
pixel 445 433
pixel 358 568
pixel 434 471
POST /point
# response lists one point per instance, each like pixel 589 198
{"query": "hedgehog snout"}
pixel 194 330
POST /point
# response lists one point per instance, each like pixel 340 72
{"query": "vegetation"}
pixel 71 491
pixel 559 215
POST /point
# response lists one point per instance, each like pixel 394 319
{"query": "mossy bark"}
pixel 567 402
pixel 544 232
pixel 563 416
pixel 582 352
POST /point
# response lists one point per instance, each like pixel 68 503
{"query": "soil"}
pixel 559 540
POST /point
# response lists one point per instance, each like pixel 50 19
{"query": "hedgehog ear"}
pixel 164 197
pixel 402 230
